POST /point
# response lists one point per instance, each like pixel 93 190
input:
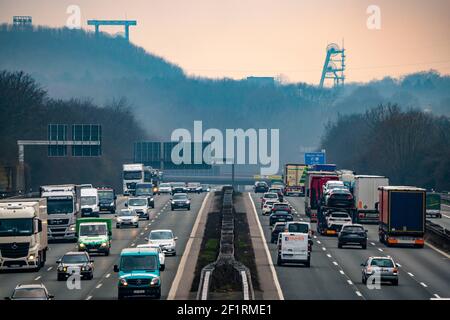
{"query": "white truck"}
pixel 366 195
pixel 23 234
pixel 62 209
pixel 294 247
pixel 133 174
pixel 89 203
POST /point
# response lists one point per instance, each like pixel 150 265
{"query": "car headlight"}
pixel 187 202
pixel 155 281
pixel 81 245
pixel 123 282
pixel 61 268
pixel 31 257
pixel 119 219
pixel 111 204
pixel 104 244
pixel 173 202
pixel 72 227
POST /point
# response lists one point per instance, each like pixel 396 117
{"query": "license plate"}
pixel 138 291
pixel 282 220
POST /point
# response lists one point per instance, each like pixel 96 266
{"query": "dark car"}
pixel 194 187
pixel 30 292
pixel 353 234
pixel 146 190
pixel 106 200
pixel 179 187
pixel 261 187
pixel 283 206
pixel 180 201
pixel 280 216
pixel 339 198
pixel 276 229
pixel 75 262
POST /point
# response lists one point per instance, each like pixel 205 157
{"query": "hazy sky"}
pixel 239 38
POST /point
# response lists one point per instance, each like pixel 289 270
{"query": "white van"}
pixel 89 202
pixel 294 247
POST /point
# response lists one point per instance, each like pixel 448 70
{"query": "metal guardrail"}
pixel 226 253
pixel 438 230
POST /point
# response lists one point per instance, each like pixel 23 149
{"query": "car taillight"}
pixel 395 270
pixel 361 215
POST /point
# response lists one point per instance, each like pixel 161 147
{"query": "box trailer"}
pixel 365 192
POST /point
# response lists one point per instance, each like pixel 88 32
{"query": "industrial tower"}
pixel 125 23
pixel 334 65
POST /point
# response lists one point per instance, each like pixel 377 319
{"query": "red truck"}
pixel 314 182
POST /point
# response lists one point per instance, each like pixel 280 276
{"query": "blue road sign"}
pixel 315 158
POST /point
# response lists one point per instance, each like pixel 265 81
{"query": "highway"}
pixel 336 273
pixel 104 284
pixel 445 220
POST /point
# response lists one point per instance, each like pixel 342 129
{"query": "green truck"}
pixel 433 205
pixel 94 235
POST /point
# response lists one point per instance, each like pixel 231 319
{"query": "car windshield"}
pixel 93 230
pixel 271 196
pixel 178 185
pixel 161 235
pixel 88 201
pixel 138 262
pixel 30 293
pixel 353 229
pixel 281 205
pixel 75 258
pixel 298 227
pixel 280 227
pixel 180 197
pixel 192 185
pixel 16 227
pixel 281 213
pixel 164 185
pixel 55 206
pixel 144 189
pixel 339 215
pixel 137 202
pixel 384 263
pixel 132 175
pixel 126 213
pixel 106 195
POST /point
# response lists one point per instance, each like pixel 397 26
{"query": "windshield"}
pixel 339 215
pixel 164 185
pixel 75 258
pixel 271 196
pixel 16 227
pixel 144 190
pixel 93 230
pixel 180 197
pixel 194 185
pixel 298 227
pixel 132 175
pixel 161 235
pixel 178 185
pixel 137 202
pixel 280 205
pixel 106 195
pixel 281 213
pixel 88 201
pixel 55 206
pixel 384 263
pixel 132 263
pixel 353 229
pixel 30 293
pixel 126 213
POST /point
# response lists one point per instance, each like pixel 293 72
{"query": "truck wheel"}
pixel 107 253
pixel 158 294
pixel 364 246
pixel 339 245
pixel 163 267
pixel 395 282
pixel 61 277
pixel 308 263
pixel 364 280
pixel 279 261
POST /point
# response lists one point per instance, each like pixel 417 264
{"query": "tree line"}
pixel 26 110
pixel 410 147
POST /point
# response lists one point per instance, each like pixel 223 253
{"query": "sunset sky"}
pixel 240 38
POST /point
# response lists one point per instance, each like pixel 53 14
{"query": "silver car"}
pixel 384 266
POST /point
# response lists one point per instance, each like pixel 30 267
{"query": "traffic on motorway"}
pixel 81 242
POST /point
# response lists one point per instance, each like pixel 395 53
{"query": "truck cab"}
pixel 89 203
pixel 107 200
pixel 433 205
pixel 139 273
pixel 94 235
pixel 23 234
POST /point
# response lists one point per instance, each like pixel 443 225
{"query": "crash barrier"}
pixel 225 259
pixel 438 235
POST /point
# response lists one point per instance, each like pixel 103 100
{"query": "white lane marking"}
pixel 399 265
pixel 141 233
pixel 423 285
pixel 358 293
pixel 379 249
pixel 329 255
pixel 269 257
pixel 315 237
pixel 133 244
pixel 99 285
pixel 437 296
pixel 335 263
pixel 372 243
pixel 37 278
pixel 318 241
pixel 324 249
pixel 444 215
pixel 49 268
pixel 108 275
pixel 89 298
pixel 176 282
pixel 438 250
pixel 149 224
pixel 342 272
pixel 410 274
pixel 350 282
